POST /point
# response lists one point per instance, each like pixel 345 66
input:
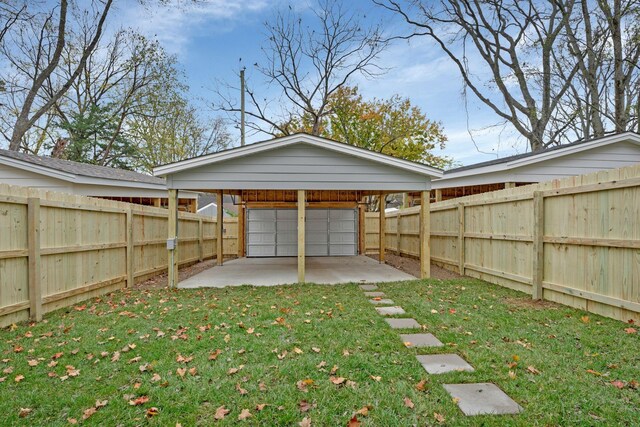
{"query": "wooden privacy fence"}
pixel 57 249
pixel 575 241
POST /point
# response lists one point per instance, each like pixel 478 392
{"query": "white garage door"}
pixel 328 232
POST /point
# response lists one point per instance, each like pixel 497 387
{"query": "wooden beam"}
pixel 362 232
pixel 172 243
pixel 461 250
pixel 382 240
pixel 200 240
pixel 301 231
pixel 438 195
pixel 425 227
pixel 220 227
pixel 130 266
pixel 538 245
pixel 157 202
pixel 509 185
pixel 33 227
pixel 240 228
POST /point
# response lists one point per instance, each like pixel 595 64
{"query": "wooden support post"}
pixel 461 228
pixel 509 185
pixel 301 236
pixel 240 228
pixel 425 236
pixel 362 231
pixel 538 245
pixel 405 200
pixel 200 240
pixel 130 248
pixel 220 227
pixel 33 241
pixel 157 202
pixel 382 226
pixel 438 195
pixel 172 242
pixel 398 234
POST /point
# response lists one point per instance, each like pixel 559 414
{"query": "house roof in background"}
pixel 558 150
pixel 80 169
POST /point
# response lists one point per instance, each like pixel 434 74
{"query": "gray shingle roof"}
pixel 82 169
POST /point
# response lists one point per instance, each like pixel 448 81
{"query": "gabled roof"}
pixel 324 143
pixel 74 171
pixel 518 160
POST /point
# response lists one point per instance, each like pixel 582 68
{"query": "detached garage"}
pixel 298 196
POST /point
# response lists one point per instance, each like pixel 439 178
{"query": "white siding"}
pixel 611 156
pixel 16 176
pixel 299 167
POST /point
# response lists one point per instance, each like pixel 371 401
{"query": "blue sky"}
pixel 209 39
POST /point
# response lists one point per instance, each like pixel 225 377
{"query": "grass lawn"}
pixel 271 351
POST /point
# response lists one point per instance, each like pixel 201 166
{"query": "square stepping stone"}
pixel 382 301
pixel 374 294
pixel 390 311
pixel 368 287
pixel 442 363
pixel 482 399
pixel 420 340
pixel 403 323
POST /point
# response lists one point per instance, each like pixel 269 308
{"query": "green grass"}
pixel 486 324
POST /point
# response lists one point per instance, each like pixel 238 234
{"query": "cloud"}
pixel 176 26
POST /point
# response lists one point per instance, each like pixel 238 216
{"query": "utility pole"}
pixel 242 107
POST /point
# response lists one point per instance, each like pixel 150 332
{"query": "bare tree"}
pixel 10 13
pixel 44 40
pixel 515 40
pixel 307 63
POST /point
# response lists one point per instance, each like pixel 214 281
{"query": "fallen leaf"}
pixel 321 364
pixel 438 417
pixel 18 378
pixel 422 385
pixel 315 349
pixel 233 371
pixel 181 372
pixel 337 380
pixel 364 411
pixel 24 412
pixel 221 412
pixel 618 384
pixel 101 403
pixel 214 354
pixel 32 362
pixel 375 378
pixel 533 370
pixel 156 378
pixel 596 373
pixel 193 371
pixel 244 414
pixel 353 422
pixel 304 406
pixel 241 390
pixel 152 412
pixel 72 421
pixel 512 375
pixel 116 356
pixel 585 319
pixel 89 412
pixel 630 330
pixel 306 422
pixel 139 401
pixel 261 406
pixel 408 403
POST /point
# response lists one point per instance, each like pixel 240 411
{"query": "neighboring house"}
pixel 230 202
pixel 48 173
pixel 212 210
pixel 609 152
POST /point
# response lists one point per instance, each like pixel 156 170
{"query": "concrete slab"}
pixel 280 271
pixel 390 311
pixel 368 287
pixel 403 323
pixel 443 363
pixel 420 340
pixel 374 294
pixel 482 399
pixel 382 301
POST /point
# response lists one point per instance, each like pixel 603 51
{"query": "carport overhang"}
pixel 303 164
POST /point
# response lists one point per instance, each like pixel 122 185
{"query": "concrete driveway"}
pixel 281 271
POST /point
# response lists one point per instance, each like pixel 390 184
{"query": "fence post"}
pixel 425 236
pixel 461 229
pixel 382 230
pixel 200 240
pixel 398 234
pixel 538 245
pixel 33 239
pixel 130 276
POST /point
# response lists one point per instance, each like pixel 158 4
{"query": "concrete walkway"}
pixel 281 271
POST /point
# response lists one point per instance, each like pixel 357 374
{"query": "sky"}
pixel 212 39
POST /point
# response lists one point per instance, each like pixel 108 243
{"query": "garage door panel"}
pixel 274 232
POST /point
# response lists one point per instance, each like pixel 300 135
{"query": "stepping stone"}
pixel 374 294
pixel 390 311
pixel 368 287
pixel 442 363
pixel 403 323
pixel 482 399
pixel 381 302
pixel 420 340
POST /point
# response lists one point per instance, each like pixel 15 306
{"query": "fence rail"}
pixel 575 241
pixel 57 249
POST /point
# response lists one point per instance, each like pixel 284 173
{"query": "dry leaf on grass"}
pixel 408 403
pixel 221 412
